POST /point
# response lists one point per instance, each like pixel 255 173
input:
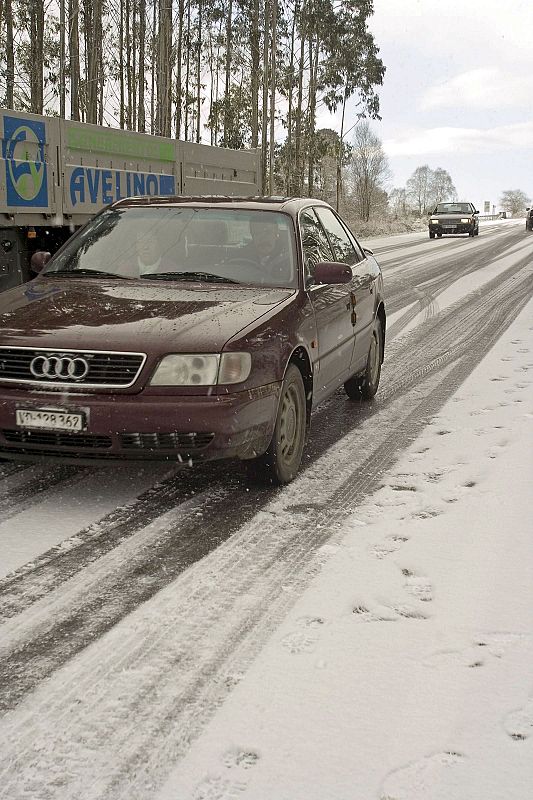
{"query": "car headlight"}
pixel 434 221
pixel 202 369
pixel 466 220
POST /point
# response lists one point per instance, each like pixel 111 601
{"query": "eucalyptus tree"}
pixel 9 52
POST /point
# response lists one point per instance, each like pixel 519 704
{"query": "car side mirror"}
pixel 368 252
pixel 332 272
pixel 39 260
pixel 476 212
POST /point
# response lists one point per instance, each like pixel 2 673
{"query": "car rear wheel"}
pixel 365 386
pixel 439 235
pixel 282 460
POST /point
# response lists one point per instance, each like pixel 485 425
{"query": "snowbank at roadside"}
pixel 404 671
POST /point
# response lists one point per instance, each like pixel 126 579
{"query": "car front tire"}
pixel 282 460
pixel 365 386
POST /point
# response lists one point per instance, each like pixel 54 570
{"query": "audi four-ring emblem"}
pixel 59 367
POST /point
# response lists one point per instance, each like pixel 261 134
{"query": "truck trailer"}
pixel 55 174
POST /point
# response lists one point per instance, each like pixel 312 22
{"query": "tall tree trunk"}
pixel 134 50
pixel 121 63
pixel 298 160
pixel 74 53
pixel 153 66
pixel 62 88
pixel 142 34
pixel 311 114
pixel 290 92
pixel 273 39
pixel 255 55
pixel 93 11
pixel 179 61
pixel 37 55
pixel 264 115
pixel 187 70
pixel 164 98
pixel 10 55
pixel 229 53
pixel 127 42
pixel 198 71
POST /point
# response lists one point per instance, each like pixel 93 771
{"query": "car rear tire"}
pixel 439 235
pixel 365 386
pixel 282 460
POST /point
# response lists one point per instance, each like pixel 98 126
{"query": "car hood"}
pixel 87 314
pixel 452 216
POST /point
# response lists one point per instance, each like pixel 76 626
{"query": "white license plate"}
pixel 49 420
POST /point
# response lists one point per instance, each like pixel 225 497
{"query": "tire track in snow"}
pixel 181 670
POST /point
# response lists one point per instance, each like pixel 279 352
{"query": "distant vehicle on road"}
pixel 453 218
pixel 188 329
pixel 529 219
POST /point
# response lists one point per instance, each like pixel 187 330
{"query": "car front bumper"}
pixel 453 227
pixel 142 427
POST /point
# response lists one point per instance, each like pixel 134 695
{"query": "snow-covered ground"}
pixel 405 671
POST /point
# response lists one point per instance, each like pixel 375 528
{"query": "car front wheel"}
pixel 366 385
pixel 282 460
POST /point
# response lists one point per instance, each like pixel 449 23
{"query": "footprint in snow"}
pixel 388 546
pixel 426 514
pixel 305 639
pixel 420 780
pixel 494 645
pixel 519 723
pixel 245 759
pixel 386 613
pixel 218 788
pixel 418 586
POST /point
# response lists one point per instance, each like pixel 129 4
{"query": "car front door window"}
pixel 315 243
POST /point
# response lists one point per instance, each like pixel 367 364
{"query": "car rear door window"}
pixel 343 247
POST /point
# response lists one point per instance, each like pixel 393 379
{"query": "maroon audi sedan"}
pixel 186 329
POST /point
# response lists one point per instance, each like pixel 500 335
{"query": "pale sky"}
pixel 458 92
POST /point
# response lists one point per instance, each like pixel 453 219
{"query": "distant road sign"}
pixel 487 206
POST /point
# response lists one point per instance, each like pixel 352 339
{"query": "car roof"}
pixel 289 205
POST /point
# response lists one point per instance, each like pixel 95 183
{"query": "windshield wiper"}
pixel 75 272
pixel 188 276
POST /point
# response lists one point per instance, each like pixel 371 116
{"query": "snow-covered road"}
pixel 136 603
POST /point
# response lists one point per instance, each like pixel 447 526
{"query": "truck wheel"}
pixel 282 460
pixel 365 386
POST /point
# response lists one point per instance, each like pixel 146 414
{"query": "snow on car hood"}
pixel 108 315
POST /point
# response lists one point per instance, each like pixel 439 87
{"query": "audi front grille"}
pixel 184 443
pixel 56 439
pixel 67 368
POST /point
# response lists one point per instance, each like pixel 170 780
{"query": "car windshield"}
pixel 453 208
pixel 181 243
